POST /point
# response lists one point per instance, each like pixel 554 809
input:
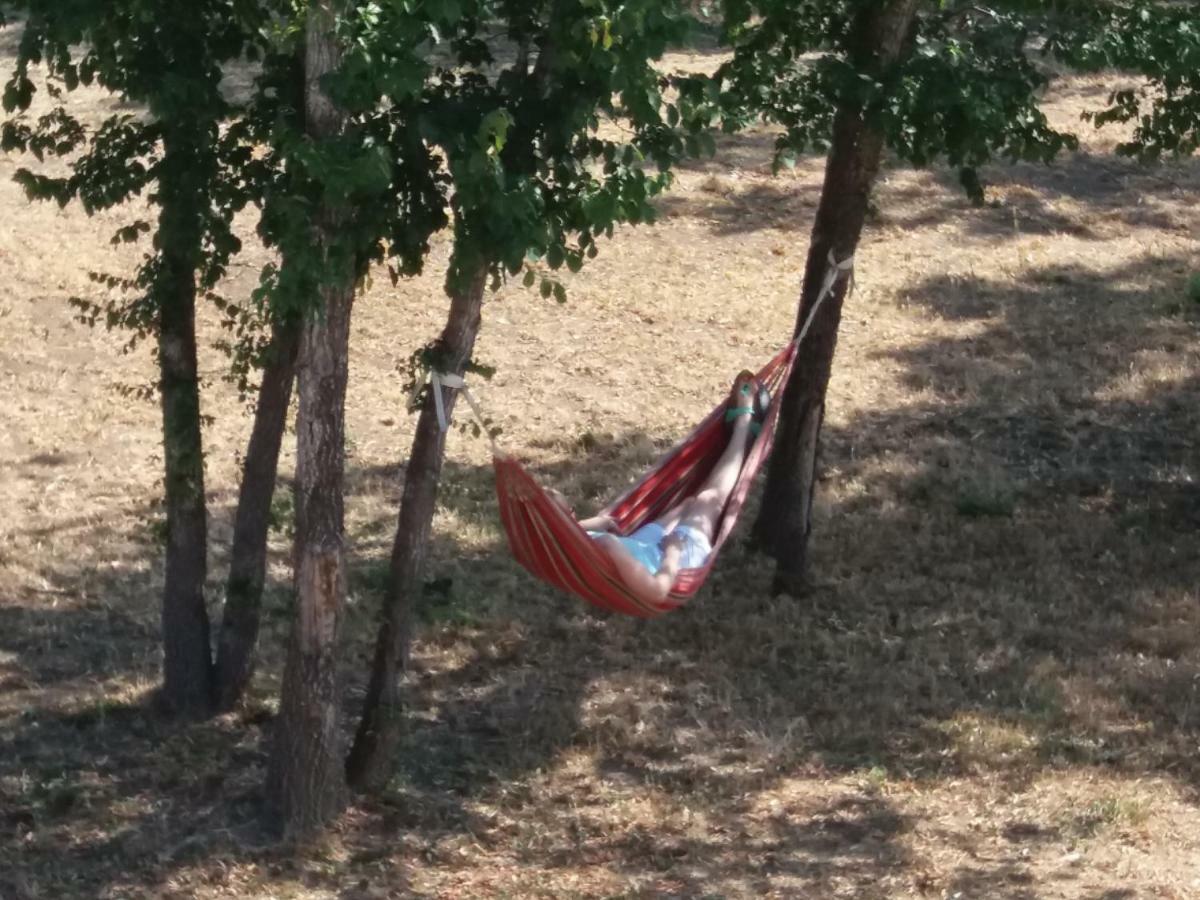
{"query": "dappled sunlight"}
pixel 1151 373
pixel 991 687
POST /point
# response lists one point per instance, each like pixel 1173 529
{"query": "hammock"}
pixel 548 542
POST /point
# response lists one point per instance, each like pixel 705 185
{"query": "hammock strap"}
pixel 439 380
pixel 835 271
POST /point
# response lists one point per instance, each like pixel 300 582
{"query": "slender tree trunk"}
pixel 784 523
pixel 370 763
pixel 306 781
pixel 248 558
pixel 187 661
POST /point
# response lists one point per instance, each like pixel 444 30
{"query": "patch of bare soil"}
pixel 993 690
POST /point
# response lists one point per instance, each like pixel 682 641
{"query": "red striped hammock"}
pixel 548 542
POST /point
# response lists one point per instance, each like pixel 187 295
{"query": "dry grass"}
pixel 993 690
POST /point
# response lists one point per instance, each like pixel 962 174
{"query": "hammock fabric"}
pixel 548 542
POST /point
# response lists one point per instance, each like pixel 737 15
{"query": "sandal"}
pixel 748 396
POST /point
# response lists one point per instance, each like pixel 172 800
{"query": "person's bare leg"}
pixel 650 586
pixel 703 510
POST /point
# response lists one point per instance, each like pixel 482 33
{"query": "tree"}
pixel 306 765
pixel 359 186
pixel 238 634
pixel 533 178
pixel 277 105
pixel 167 56
pixel 927 80
pixel 129 154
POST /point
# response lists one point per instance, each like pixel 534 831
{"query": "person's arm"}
pixel 592 523
pixel 672 546
pixel 659 585
pixel 598 523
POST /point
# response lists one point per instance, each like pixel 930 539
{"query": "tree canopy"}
pixel 1161 43
pixel 963 90
pixel 170 60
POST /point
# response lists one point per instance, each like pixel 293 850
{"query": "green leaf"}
pixel 493 130
pixel 18 94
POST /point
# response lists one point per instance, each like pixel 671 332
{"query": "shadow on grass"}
pixel 104 797
pixel 1087 195
pixel 1084 194
pixel 1005 588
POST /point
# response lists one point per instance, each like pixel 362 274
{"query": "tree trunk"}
pixel 248 558
pixel 305 778
pixel 369 765
pixel 784 523
pixel 187 661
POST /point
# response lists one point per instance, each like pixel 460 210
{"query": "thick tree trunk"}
pixel 305 779
pixel 248 558
pixel 785 521
pixel 187 661
pixel 371 759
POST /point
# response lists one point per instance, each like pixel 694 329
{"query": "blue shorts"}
pixel 645 545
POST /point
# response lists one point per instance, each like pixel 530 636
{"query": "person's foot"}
pixel 741 396
pixel 748 399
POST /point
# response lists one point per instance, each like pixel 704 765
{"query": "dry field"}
pixel 992 691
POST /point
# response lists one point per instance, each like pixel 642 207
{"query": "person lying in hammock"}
pixel 650 559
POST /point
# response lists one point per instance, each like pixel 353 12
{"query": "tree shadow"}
pixel 107 798
pixel 1086 496
pixel 1090 195
pixel 733 206
pixel 1005 589
pixel 103 795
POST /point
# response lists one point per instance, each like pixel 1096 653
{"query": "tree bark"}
pixel 187 660
pixel 305 779
pixel 369 765
pixel 248 558
pixel 784 524
pixel 305 783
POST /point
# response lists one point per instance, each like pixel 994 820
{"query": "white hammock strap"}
pixel 834 272
pixel 439 380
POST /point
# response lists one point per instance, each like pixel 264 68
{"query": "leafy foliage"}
pixel 504 129
pixel 521 121
pixel 965 90
pixel 168 57
pixel 1160 41
pixel 498 132
pixel 383 180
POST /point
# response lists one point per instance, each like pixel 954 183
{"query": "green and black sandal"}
pixel 749 395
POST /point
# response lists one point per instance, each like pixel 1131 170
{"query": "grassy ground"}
pixel 993 690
